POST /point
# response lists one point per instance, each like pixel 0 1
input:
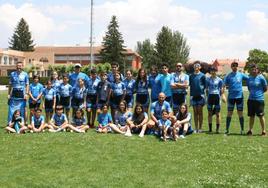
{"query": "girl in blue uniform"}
pixel 79 93
pixel 104 120
pixel 49 96
pixel 35 94
pixel 55 85
pixel 16 124
pixel 141 88
pixel 92 98
pixel 118 92
pixel 78 123
pixel 130 87
pixel 65 92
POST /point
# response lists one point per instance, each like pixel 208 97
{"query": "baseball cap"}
pixel 78 65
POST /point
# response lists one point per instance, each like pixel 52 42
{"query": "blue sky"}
pixel 214 29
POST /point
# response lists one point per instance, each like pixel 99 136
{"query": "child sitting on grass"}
pixel 104 120
pixel 38 122
pixel 16 125
pixel 164 125
pixel 58 121
pixel 78 123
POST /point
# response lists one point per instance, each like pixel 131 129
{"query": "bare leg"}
pixel 200 115
pixel 143 129
pixel 196 118
pixel 262 122
pixel 9 129
pixel 116 129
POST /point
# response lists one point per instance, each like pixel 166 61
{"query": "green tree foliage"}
pixel 148 53
pixel 258 57
pixel 171 47
pixel 22 38
pixel 113 44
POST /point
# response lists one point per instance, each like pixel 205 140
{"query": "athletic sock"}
pixel 228 122
pixel 241 120
pixel 217 127
pixel 210 127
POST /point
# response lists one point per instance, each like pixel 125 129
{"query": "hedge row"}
pixel 4 80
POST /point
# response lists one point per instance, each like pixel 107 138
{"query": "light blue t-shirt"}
pixel 166 123
pixel 121 118
pixel 38 121
pixel 181 79
pixel 79 93
pixel 197 84
pixel 36 90
pixel 92 86
pixel 214 86
pixel 142 87
pixel 65 90
pixel 156 108
pixel 59 119
pixel 155 85
pixel 78 121
pixel 74 77
pixel 105 119
pixel 130 86
pixel 256 86
pixel 19 81
pixel 234 81
pixel 165 81
pixel 49 94
pixel 118 89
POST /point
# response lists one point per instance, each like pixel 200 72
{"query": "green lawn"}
pixel 95 160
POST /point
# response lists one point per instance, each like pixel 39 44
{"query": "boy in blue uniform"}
pixel 111 75
pixel 38 122
pixel 197 94
pixel 92 98
pixel 35 94
pixel 103 91
pixel 58 121
pixel 79 94
pixel 17 92
pixel 165 81
pixel 55 85
pixel 130 87
pixel 49 96
pixel 65 92
pixel 233 81
pixel 179 83
pixel 257 86
pixel 164 125
pixel 154 83
pixel 214 88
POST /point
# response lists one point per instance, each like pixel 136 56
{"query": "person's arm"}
pixel 40 93
pixel 145 120
pixel 186 120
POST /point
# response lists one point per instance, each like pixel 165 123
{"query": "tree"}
pixel 258 57
pixel 113 47
pixel 146 50
pixel 171 47
pixel 22 38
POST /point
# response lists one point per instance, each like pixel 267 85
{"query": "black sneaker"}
pixel 249 133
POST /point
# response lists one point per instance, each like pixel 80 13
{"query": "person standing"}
pixel 197 94
pixel 17 92
pixel 154 83
pixel 234 82
pixel 74 77
pixel 257 86
pixel 179 84
pixel 165 81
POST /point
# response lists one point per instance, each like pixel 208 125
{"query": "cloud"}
pixel 223 16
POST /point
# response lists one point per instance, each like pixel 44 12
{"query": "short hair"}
pixel 36 76
pixel 19 62
pixel 165 65
pixel 164 111
pixel 65 76
pixel 115 63
pixel 38 110
pixel 59 107
pixel 93 71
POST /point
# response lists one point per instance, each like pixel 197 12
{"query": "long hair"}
pixel 125 106
pixel 13 116
pixel 139 77
pixel 81 111
pixel 138 118
pixel 182 116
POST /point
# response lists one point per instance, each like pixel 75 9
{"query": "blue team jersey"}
pixel 165 123
pixel 38 121
pixel 214 86
pixel 197 84
pixel 256 86
pixel 36 90
pixel 142 87
pixel 155 85
pixel 105 119
pixel 79 93
pixel 103 90
pixel 110 77
pixel 65 90
pixel 165 81
pixel 49 94
pixel 156 108
pixel 79 121
pixel 121 118
pixel 234 81
pixel 92 86
pixel 56 85
pixel 181 78
pixel 118 89
pixel 74 77
pixel 19 80
pixel 130 86
pixel 59 119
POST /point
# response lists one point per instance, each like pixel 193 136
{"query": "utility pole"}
pixel 91 36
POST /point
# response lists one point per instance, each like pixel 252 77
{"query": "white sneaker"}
pixel 182 136
pixel 31 131
pixel 128 134
pixel 141 135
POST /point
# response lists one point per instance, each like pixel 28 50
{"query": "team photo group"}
pixel 154 102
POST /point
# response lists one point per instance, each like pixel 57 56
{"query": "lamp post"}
pixel 91 38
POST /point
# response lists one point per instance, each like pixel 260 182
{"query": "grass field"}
pixel 95 160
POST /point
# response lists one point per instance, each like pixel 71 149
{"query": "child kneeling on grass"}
pixel 138 122
pixel 38 122
pixel 16 125
pixel 164 125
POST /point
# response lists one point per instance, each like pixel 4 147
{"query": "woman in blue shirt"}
pixel 130 87
pixel 141 88
pixel 257 86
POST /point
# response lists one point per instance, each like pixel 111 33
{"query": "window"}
pixel 44 60
pixel 10 61
pixel 5 60
pixel 15 61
